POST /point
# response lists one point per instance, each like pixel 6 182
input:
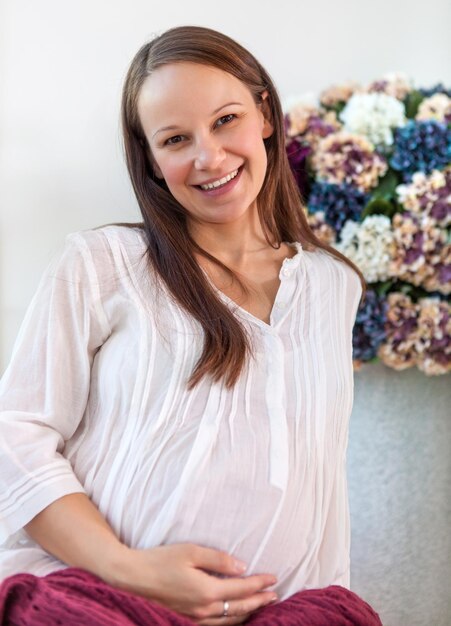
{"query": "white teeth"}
pixel 221 181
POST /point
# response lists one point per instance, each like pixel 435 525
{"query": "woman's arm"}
pixel 73 530
pixel 44 390
pixel 180 576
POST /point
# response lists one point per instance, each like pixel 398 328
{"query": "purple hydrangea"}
pixel 436 203
pixel 369 332
pixel 439 347
pixel 297 153
pixel 421 146
pixel 444 273
pixel 338 202
pixel 320 127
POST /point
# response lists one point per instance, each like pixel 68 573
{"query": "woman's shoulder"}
pixel 333 267
pixel 100 254
pixel 126 236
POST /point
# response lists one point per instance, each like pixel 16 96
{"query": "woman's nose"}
pixel 209 154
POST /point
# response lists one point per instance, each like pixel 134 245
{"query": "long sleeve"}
pixel 44 390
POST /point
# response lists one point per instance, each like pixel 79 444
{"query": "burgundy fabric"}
pixel 74 597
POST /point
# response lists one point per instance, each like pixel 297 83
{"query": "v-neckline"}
pixel 286 263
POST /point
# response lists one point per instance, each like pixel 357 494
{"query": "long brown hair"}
pixel 170 247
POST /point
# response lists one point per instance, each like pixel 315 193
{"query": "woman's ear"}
pixel 268 127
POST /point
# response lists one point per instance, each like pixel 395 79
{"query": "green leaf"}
pixel 386 188
pixel 382 288
pixel 405 288
pixel 412 103
pixel 379 206
pixel 337 107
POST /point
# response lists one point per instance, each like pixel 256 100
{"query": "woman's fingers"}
pixel 195 581
pixel 219 562
pixel 216 561
pixel 240 588
pixel 238 610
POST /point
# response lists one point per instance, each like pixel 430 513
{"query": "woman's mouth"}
pixel 222 185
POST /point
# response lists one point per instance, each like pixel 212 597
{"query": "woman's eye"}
pixel 173 140
pixel 226 118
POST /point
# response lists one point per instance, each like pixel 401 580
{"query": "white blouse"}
pixel 95 401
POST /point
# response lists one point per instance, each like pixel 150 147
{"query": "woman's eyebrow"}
pixel 226 105
pixel 213 113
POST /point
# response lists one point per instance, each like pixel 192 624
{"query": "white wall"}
pixel 62 64
pixel 61 68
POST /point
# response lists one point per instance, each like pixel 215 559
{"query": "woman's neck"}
pixel 236 244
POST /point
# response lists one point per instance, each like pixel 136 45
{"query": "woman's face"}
pixel 204 127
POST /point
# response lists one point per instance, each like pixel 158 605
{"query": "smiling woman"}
pixel 206 148
pixel 174 420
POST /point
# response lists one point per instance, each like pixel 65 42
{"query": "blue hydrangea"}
pixel 438 88
pixel 421 146
pixel 339 203
pixel 369 332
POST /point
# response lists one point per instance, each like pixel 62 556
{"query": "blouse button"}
pixel 281 305
pixel 286 272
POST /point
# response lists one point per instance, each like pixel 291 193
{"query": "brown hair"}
pixel 170 247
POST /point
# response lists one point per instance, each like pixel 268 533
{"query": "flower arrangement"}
pixel 373 165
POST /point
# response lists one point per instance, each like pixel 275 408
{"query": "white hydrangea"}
pixel 373 115
pixel 369 245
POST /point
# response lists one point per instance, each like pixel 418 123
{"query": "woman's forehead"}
pixel 178 89
pixel 176 81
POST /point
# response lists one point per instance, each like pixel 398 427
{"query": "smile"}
pixel 220 181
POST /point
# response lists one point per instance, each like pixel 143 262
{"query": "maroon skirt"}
pixel 72 597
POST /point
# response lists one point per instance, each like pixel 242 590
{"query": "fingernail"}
pixel 240 566
pixel 273 599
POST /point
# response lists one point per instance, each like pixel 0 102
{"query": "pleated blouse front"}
pixel 95 401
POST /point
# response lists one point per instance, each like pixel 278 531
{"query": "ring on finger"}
pixel 226 609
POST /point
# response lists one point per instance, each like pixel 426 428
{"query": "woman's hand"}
pixel 184 577
pixel 189 579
